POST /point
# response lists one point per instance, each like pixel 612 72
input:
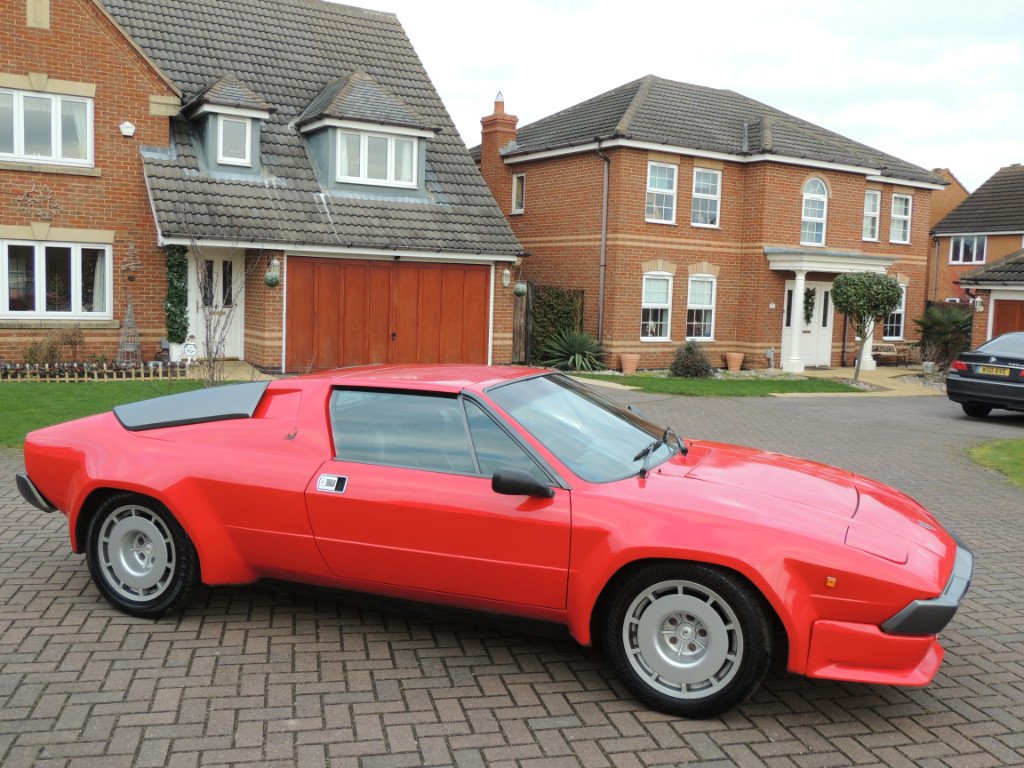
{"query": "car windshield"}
pixel 1007 344
pixel 595 438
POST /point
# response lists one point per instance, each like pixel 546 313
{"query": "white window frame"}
pixel 56 129
pixel 717 197
pixel 869 215
pixel 893 218
pixel 651 164
pixel 222 159
pixel 712 307
pixel 363 178
pixel 519 184
pixel 667 306
pixel 956 255
pixel 40 311
pixel 805 196
pixel 902 312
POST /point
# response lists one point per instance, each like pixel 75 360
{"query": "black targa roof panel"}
pixel 235 401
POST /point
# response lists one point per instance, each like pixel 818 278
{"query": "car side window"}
pixel 494 447
pixel 401 429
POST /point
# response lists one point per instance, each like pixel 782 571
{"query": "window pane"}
pixel 21 278
pixel 58 279
pixel 653 323
pixel 899 231
pixel 814 209
pixel 401 430
pixel 403 160
pixel 226 283
pixel 660 207
pixel 705 183
pixel 377 158
pixel 234 138
pixel 700 292
pixel 698 323
pixel 814 187
pixel 824 309
pixel 812 232
pixel 518 193
pixel 74 130
pixel 655 290
pixel 661 177
pixel 7 123
pixel 494 448
pixel 38 128
pixel 94 280
pixel 900 205
pixel 206 278
pixel 350 162
pixel 704 211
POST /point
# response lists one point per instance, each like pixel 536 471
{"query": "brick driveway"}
pixel 255 676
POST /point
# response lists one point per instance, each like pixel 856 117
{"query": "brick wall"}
pixel 760 206
pixel 81 45
pixel 264 310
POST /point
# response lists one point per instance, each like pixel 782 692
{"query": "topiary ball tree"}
pixel 866 298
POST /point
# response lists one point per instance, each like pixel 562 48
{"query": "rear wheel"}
pixel 976 410
pixel 140 557
pixel 687 639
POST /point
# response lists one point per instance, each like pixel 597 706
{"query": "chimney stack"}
pixel 497 130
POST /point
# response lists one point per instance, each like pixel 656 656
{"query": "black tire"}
pixel 140 557
pixel 976 410
pixel 687 639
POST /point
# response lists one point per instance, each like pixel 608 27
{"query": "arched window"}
pixel 815 209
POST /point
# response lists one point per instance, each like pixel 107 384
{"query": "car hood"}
pixel 881 520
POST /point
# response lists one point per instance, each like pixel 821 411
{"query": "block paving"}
pixel 275 676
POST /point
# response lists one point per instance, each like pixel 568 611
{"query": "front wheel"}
pixel 976 410
pixel 687 639
pixel 140 557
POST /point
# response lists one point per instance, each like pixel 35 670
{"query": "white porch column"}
pixel 793 362
pixel 867 362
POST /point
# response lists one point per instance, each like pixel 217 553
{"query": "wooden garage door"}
pixel 356 312
pixel 1007 316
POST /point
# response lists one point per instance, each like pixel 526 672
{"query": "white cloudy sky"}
pixel 939 83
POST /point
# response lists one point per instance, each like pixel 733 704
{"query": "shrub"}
pixel 572 350
pixel 552 310
pixel 945 333
pixel 691 362
pixel 45 351
pixel 176 303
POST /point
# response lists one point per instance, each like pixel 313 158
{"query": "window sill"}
pixel 966 263
pixel 870 240
pixel 649 340
pixel 812 245
pixel 41 323
pixel 705 226
pixel 69 170
pixel 892 338
pixel 900 242
pixel 700 338
pixel 660 221
pixel 517 213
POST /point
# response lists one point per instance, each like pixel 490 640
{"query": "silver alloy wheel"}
pixel 136 553
pixel 683 639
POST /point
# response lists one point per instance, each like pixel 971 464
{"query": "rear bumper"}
pixel 31 494
pixel 1001 394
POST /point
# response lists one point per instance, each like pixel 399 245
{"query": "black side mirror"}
pixel 516 482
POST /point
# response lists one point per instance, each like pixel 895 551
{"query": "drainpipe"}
pixel 935 279
pixel 604 242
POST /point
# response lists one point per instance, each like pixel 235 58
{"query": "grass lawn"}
pixel 723 387
pixel 29 405
pixel 1006 456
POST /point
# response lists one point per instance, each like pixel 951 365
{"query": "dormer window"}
pixel 234 140
pixel 376 158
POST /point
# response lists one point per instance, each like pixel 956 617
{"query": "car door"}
pixel 407 501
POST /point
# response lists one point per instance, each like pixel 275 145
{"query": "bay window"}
pixel 45 128
pixel 55 280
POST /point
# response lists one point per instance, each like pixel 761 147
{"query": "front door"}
pixel 815 327
pixel 216 284
pixel 408 502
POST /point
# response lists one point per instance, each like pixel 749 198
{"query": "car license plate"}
pixel 992 370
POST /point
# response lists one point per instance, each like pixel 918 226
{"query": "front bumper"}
pixel 31 494
pixel 904 650
pixel 929 617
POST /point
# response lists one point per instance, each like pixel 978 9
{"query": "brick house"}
pixel 687 212
pixel 77 99
pixel 327 161
pixel 977 255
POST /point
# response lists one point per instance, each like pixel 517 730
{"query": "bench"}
pixel 889 353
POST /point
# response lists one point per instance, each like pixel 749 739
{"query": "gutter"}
pixel 603 264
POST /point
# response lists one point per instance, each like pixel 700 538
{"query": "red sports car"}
pixel 516 491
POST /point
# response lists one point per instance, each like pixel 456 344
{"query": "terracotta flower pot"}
pixel 734 361
pixel 628 361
